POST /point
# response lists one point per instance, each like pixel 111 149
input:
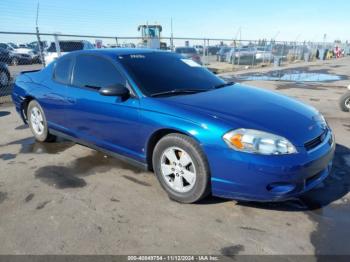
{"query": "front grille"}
pixel 316 141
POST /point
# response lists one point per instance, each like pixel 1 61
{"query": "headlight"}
pixel 258 142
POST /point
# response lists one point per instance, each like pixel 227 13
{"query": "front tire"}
pixel 344 102
pixel 181 168
pixel 37 123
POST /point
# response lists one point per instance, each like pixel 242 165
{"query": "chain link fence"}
pixel 31 51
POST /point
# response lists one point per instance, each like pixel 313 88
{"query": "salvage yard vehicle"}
pixel 5 56
pixel 221 55
pixel 65 47
pixel 18 55
pixel 264 54
pixel 163 112
pixel 189 52
pixel 344 101
pixel 240 53
pixel 4 75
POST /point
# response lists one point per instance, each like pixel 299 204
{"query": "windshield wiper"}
pixel 179 92
pixel 224 84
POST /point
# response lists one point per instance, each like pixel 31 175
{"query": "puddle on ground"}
pixel 71 176
pixel 290 77
pixel 4 113
pixel 326 205
pixel 30 145
pixel 3 196
pixel 62 176
pixel 231 250
pixel 295 75
pixel 7 156
pixel 29 197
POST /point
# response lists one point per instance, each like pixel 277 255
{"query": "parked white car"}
pixel 18 55
pixel 245 51
pixel 65 47
pixel 263 54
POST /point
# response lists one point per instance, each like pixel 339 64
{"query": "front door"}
pixel 105 121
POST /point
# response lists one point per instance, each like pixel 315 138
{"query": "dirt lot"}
pixel 62 198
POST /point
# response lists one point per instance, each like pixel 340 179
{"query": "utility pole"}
pixel 240 44
pixel 38 36
pixel 172 36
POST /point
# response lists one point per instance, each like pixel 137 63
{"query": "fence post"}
pixel 57 45
pixel 208 55
pixel 40 47
pixel 253 57
pixel 203 52
pixel 239 53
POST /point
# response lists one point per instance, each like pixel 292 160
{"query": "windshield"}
pixel 12 45
pixel 158 72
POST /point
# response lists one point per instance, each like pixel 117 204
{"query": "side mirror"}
pixel 115 90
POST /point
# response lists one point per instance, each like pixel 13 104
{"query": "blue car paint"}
pixel 126 127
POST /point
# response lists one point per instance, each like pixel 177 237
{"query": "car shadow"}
pixel 333 188
pixel 212 200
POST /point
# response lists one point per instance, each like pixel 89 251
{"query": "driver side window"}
pixel 94 72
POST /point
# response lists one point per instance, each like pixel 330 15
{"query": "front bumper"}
pixel 253 177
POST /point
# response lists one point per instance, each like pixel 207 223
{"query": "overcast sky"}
pixel 286 20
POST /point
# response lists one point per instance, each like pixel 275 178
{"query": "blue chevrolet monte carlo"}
pixel 200 134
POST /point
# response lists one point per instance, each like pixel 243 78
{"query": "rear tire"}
pixel 37 122
pixel 186 177
pixel 344 102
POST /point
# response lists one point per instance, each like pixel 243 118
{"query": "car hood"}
pixel 248 107
pixel 22 51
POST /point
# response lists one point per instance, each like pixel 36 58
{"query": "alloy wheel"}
pixel 37 121
pixel 178 169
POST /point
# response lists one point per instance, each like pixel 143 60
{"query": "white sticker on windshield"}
pixel 190 62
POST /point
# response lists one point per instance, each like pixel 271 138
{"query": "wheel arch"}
pixel 158 135
pixel 24 106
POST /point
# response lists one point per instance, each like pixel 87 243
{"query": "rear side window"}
pixel 62 70
pixel 95 72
